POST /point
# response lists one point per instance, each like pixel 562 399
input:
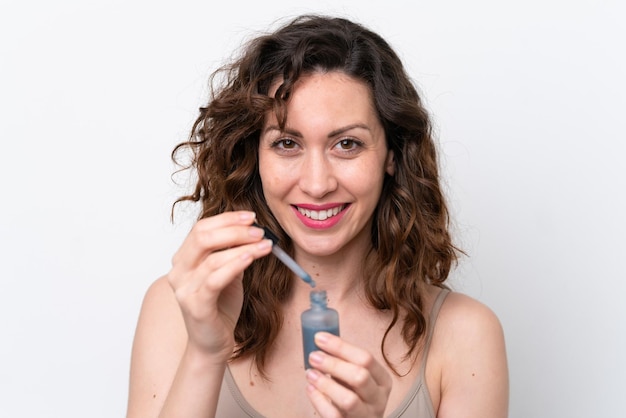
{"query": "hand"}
pixel 346 381
pixel 206 278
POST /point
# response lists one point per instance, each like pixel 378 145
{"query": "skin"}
pixel 333 153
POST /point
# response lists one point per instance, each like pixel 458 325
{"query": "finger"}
pixel 341 349
pixel 222 231
pixel 220 268
pixel 219 259
pixel 205 298
pixel 217 232
pixel 357 382
pixel 350 364
pixel 330 398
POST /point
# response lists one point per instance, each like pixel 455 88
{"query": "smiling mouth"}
pixel 321 215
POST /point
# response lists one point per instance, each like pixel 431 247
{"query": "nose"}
pixel 317 176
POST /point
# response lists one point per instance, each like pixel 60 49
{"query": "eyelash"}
pixel 354 142
pixel 280 143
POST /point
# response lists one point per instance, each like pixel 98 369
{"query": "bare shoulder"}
pixel 157 347
pixel 159 298
pixel 471 354
pixel 160 317
pixel 462 317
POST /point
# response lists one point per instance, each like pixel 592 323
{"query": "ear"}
pixel 390 163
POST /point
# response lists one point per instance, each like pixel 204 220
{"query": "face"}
pixel 322 177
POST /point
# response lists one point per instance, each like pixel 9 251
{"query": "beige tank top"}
pixel 416 404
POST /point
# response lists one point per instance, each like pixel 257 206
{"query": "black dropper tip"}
pixel 268 234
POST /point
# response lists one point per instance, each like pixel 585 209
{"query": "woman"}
pixel 317 133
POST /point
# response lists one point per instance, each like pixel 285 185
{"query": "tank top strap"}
pixel 432 319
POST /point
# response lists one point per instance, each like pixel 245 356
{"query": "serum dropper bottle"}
pixel 318 318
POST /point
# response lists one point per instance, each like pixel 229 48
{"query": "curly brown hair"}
pixel 411 243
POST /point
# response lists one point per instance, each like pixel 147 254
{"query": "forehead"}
pixel 321 77
pixel 333 91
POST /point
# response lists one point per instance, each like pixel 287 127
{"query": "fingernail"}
pixel 321 338
pixel 246 215
pixel 316 357
pixel 312 375
pixel 255 232
pixel 264 245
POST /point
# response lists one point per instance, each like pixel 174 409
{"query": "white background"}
pixel 528 99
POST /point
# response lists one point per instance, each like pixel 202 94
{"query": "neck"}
pixel 340 274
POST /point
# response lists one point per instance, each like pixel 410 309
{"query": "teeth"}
pixel 320 215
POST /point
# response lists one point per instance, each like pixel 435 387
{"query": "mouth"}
pixel 320 215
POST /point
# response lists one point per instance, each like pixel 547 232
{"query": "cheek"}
pixel 274 178
pixel 272 185
pixel 365 180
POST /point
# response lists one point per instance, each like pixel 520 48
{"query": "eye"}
pixel 285 145
pixel 349 144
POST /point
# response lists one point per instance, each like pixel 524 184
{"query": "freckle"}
pixel 154 396
pixel 473 374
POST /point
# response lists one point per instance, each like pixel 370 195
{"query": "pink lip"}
pixel 317 224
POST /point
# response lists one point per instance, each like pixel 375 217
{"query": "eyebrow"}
pixel 331 134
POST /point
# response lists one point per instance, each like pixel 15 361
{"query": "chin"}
pixel 324 247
